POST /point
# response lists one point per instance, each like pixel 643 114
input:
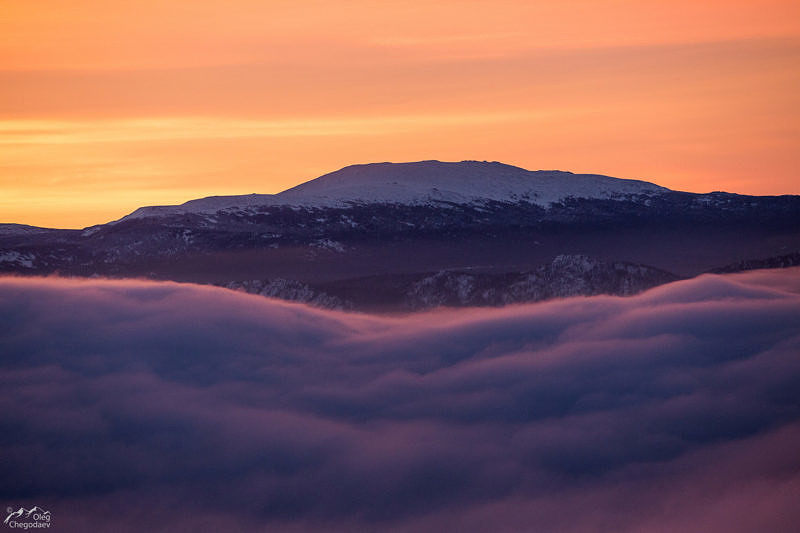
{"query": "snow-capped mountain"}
pixel 423 183
pixel 367 234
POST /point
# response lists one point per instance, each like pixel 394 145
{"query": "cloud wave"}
pixel 131 405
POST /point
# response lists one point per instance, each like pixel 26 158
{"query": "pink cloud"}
pixel 162 405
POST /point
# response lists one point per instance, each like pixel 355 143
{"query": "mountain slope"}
pixel 567 275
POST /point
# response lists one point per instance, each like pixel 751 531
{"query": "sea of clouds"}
pixel 135 405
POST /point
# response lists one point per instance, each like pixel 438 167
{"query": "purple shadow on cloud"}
pixel 133 404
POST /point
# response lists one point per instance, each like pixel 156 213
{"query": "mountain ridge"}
pixel 565 276
pixel 368 233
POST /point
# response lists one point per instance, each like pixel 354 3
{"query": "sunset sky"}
pixel 106 106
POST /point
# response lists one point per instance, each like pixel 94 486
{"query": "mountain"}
pixel 422 183
pixel 362 236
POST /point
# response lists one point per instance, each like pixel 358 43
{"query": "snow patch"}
pixel 21 259
pixel 328 244
pixel 88 232
pixel 285 289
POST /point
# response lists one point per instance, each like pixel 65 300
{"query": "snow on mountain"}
pixel 423 182
pixel 208 205
pixel 567 275
pixel 464 182
pixel 290 290
pixel 24 260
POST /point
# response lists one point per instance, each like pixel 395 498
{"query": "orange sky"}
pixel 109 105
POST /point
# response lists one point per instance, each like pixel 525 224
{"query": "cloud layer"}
pixel 133 405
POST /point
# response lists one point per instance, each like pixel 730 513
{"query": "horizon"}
pixel 194 99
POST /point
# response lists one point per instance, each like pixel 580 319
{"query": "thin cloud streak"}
pixel 45 132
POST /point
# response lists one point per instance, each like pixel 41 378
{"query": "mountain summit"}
pixel 426 183
pixel 464 182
